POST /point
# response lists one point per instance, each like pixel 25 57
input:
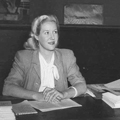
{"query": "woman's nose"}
pixel 52 36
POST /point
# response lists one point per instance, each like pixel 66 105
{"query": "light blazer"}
pixel 26 70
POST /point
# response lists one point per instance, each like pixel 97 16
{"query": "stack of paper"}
pixel 111 99
pixel 23 108
pixel 6 112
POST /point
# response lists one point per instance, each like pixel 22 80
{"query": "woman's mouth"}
pixel 51 43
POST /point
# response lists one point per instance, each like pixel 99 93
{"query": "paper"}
pixel 102 88
pixel 115 85
pixel 47 106
pixel 96 87
pixel 89 92
pixel 23 108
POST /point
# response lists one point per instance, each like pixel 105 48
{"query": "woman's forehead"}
pixel 49 24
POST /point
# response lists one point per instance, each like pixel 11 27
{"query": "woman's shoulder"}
pixel 25 53
pixel 65 52
pixel 24 56
pixel 67 56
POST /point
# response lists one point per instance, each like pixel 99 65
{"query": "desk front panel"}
pixel 92 109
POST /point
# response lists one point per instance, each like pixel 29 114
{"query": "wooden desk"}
pixel 92 109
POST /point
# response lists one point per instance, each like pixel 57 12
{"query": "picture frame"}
pixel 14 11
pixel 90 14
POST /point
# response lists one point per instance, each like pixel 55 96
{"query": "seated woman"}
pixel 42 71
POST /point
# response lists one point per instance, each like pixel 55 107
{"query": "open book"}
pixel 46 106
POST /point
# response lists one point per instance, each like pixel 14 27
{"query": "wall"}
pixel 12 39
pixel 111 9
pixel 97 50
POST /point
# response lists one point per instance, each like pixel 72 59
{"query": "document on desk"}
pixel 47 106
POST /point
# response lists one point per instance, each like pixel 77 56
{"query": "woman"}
pixel 42 71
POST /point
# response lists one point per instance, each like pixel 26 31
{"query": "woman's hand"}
pixel 52 95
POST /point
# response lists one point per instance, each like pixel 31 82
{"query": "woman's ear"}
pixel 36 37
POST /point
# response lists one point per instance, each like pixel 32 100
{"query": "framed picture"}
pixel 83 14
pixel 14 11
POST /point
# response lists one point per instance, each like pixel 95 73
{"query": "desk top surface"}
pixel 92 109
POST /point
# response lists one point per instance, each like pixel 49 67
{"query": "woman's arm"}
pixel 75 90
pixel 75 77
pixel 52 95
pixel 17 91
pixel 14 83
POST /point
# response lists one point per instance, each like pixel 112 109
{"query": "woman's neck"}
pixel 47 55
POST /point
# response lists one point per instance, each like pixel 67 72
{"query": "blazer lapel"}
pixel 60 84
pixel 36 62
pixel 58 64
pixel 57 61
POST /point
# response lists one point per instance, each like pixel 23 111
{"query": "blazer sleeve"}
pixel 16 75
pixel 73 73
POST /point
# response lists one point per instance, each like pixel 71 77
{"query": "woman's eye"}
pixel 46 33
pixel 56 32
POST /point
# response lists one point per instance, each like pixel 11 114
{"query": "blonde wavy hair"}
pixel 32 42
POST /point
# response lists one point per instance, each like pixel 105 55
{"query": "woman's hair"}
pixel 32 43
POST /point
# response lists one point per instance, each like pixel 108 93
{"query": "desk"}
pixel 92 109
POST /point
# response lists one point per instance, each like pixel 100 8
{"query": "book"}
pixel 111 99
pixel 5 105
pixel 23 108
pixel 47 106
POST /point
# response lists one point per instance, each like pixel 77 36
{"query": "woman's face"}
pixel 48 37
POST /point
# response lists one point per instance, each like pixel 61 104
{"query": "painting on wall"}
pixel 14 11
pixel 83 14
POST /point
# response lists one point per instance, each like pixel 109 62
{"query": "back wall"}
pixel 111 9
